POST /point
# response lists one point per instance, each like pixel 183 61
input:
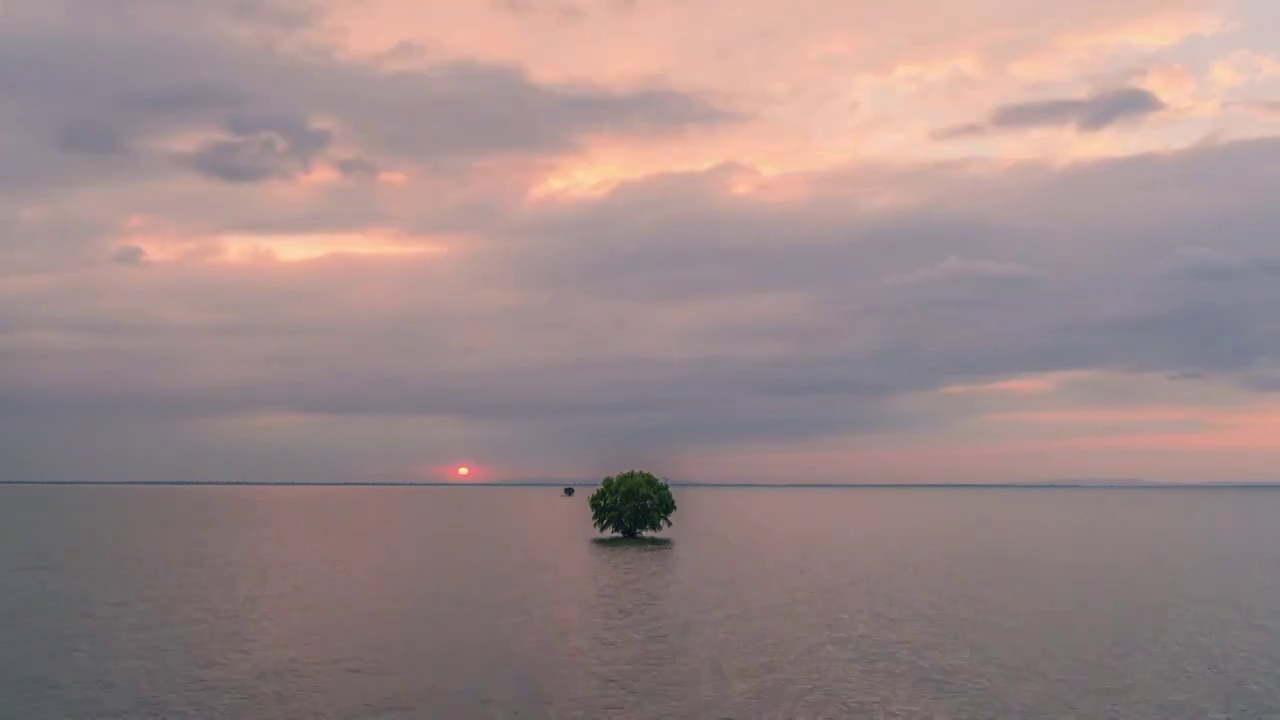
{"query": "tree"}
pixel 568 492
pixel 632 503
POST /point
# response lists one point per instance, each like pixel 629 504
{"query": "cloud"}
pixel 240 15
pixel 133 255
pixel 712 306
pixel 962 130
pixel 356 167
pixel 561 10
pixel 1206 264
pixel 1090 114
pixel 1269 109
pixel 261 147
pixel 1243 67
pixel 471 109
pixel 671 315
pixel 790 336
pixel 99 89
pixel 567 11
pixel 86 137
pixel 955 269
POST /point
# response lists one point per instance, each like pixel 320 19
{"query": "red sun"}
pixel 464 471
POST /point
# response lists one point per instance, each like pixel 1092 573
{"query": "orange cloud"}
pixel 308 246
pixel 1100 416
pixel 1163 28
pixel 165 242
pixel 1255 425
pixel 1243 67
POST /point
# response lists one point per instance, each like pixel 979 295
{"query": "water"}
pixel 458 603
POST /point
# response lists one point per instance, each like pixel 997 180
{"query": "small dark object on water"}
pixel 568 492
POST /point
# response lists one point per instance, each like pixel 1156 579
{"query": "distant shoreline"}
pixel 793 486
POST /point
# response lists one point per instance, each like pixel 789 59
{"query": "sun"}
pixel 464 471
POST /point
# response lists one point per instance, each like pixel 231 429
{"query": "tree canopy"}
pixel 631 504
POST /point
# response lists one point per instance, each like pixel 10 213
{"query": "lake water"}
pixel 459 603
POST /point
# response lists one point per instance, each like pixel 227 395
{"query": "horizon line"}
pixel 1050 484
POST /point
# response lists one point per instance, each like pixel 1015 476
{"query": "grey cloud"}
pixel 1090 114
pixel 242 161
pixel 964 130
pixel 291 14
pixel 955 269
pixel 1207 264
pixel 1108 301
pixel 959 285
pixel 357 167
pixel 191 98
pixel 1227 336
pixel 277 15
pixel 133 255
pixel 302 138
pixel 405 51
pixel 463 110
pixel 567 11
pixel 689 248
pixel 562 10
pixel 709 244
pixel 87 137
pixel 261 147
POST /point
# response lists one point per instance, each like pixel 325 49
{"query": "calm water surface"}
pixel 458 603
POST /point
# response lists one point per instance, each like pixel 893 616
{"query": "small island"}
pixel 631 504
pixel 568 492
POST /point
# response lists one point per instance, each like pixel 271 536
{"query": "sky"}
pixel 751 241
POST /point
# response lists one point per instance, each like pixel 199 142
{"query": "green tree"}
pixel 632 503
